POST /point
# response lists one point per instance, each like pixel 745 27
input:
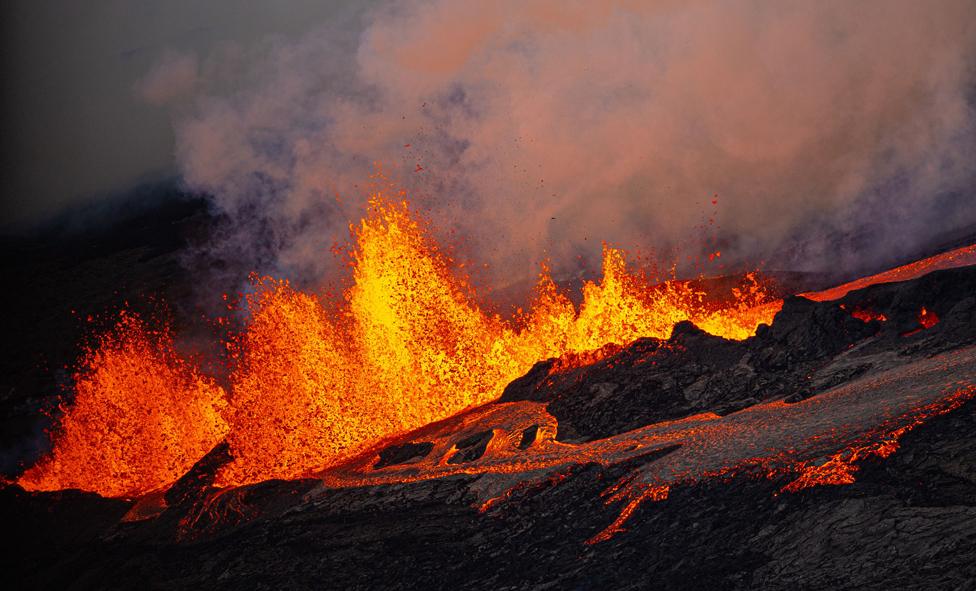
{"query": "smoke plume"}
pixel 539 128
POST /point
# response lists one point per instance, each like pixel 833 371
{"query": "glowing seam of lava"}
pixel 838 469
pixel 841 466
pixel 653 493
pixel 959 257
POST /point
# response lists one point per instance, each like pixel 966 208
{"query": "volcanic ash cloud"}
pixel 540 128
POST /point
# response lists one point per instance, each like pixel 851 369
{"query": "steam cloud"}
pixel 543 127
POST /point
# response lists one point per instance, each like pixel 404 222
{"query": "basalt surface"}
pixel 513 494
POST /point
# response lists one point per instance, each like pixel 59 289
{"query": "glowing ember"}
pixel 927 318
pixel 867 314
pixel 141 417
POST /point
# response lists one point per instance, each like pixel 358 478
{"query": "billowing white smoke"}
pixel 538 128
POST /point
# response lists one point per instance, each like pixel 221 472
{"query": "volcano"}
pixel 657 433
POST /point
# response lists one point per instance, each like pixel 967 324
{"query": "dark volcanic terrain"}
pixel 907 522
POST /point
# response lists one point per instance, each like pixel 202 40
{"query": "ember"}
pixel 867 315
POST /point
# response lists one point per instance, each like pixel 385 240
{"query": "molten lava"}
pixel 926 320
pixel 959 257
pixel 294 401
pixel 141 417
pixel 410 346
pixel 863 419
pixel 866 314
pixel 313 385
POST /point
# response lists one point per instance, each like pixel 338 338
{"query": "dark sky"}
pixel 74 123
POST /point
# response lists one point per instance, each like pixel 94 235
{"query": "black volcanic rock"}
pixel 67 281
pixel 471 448
pixel 910 517
pixel 810 348
pixel 949 293
pixel 654 380
pixel 200 477
pixel 406 452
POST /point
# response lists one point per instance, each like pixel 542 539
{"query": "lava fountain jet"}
pixel 140 418
pixel 314 384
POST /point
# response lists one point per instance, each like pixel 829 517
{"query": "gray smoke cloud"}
pixel 538 128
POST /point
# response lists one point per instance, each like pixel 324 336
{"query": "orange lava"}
pixel 840 467
pixel 959 257
pixel 652 493
pixel 291 404
pixel 867 315
pixel 409 346
pixel 862 419
pixel 141 417
pixel 927 318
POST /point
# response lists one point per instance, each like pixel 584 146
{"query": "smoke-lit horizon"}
pixel 541 129
pixel 831 135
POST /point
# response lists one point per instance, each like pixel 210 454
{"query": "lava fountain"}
pixel 312 384
pixel 141 417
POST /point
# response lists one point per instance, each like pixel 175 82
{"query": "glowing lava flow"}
pixel 140 418
pixel 863 418
pixel 959 257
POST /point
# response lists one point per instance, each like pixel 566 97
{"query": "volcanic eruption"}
pixel 521 295
pixel 316 387
pixel 314 383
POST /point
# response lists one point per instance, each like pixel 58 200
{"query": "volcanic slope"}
pixel 691 462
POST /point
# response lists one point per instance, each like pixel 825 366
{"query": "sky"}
pixel 76 123
pixel 815 136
